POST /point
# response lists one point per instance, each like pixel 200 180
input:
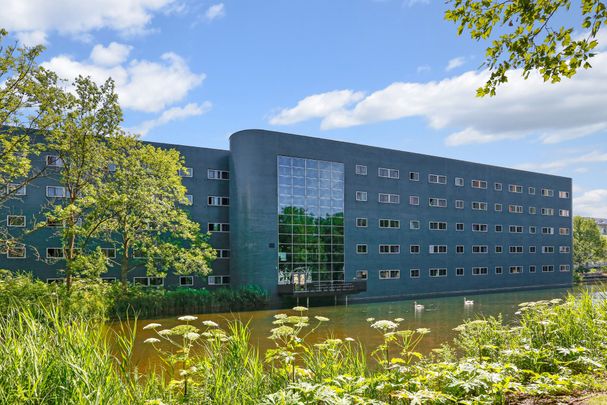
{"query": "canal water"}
pixel 440 315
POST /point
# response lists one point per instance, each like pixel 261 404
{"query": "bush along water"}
pixel 556 348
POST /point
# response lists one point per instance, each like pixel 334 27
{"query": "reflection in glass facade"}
pixel 310 221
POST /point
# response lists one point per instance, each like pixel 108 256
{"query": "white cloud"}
pixel 141 85
pixel 592 203
pixel 455 63
pixel 72 17
pixel 552 113
pixel 32 38
pixel 173 114
pixel 316 106
pixel 215 11
pixel 592 157
pixel 111 55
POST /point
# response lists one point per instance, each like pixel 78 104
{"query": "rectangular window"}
pixel 414 176
pixel 437 202
pixel 17 221
pixel 190 199
pixel 459 271
pixel 546 230
pixel 547 211
pixel 499 228
pixel 414 273
pixel 497 207
pixel 516 269
pixel 437 226
pixel 564 231
pixel 547 249
pixel 361 170
pixel 531 190
pixel 532 211
pixel 442 272
pixel 54 253
pixel 55 280
pixel 223 253
pixel 218 280
pixel 222 227
pixel 499 249
pixel 532 249
pixel 515 229
pixel 515 209
pixel 480 271
pixel 564 249
pixel 361 222
pixel 498 270
pixel 110 253
pixel 459 182
pixel 532 269
pixel 389 274
pixel 459 204
pixel 414 224
pixel 513 188
pixel 564 194
pixel 186 281
pixel 361 249
pixel 479 184
pixel 389 223
pixel 563 213
pixel 547 268
pixel 413 200
pixel 54 161
pixel 479 205
pixel 414 249
pixel 388 173
pixel 16 251
pixel 215 174
pixel 480 249
pixel 186 172
pixel 516 249
pixel 362 274
pixel 437 179
pixel 55 192
pixel 389 249
pixel 218 201
pixel 361 196
pixel 532 230
pixel 564 267
pixel 16 189
pixel 437 249
pixel 480 227
pixel 546 192
pixel 459 249
pixel 497 186
pixel 459 226
pixel 386 198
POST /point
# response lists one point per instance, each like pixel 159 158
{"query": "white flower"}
pixel 300 309
pixel 370 319
pixel 280 316
pixel 422 331
pixel 398 320
pixel 187 318
pixel 210 324
pixel 191 335
pixel 384 325
pixel 165 332
pixel 151 340
pixel 152 326
pixel 321 319
pixel 349 339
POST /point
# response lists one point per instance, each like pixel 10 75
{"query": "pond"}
pixel 440 315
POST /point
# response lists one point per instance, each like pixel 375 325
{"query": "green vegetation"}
pixel 588 244
pixel 57 352
pixel 527 35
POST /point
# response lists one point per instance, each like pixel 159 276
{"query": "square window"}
pixel 361 249
pixel 497 186
pixel 361 170
pixel 414 176
pixel 414 224
pixel 361 222
pixel 186 281
pixel 459 271
pixel 414 273
pixel 361 196
pixel 413 200
pixel 362 274
pixel 459 182
pixel 459 227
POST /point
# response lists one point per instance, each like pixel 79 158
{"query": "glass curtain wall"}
pixel 310 221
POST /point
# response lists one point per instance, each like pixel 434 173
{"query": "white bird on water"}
pixel 418 307
pixel 468 302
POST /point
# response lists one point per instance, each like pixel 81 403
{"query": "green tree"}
pixel 588 245
pixel 83 120
pixel 523 37
pixel 139 207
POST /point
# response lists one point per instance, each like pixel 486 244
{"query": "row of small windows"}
pixel 363 248
pixel 476 227
pixel 55 253
pixel 459 181
pixel 436 202
pixel 392 274
pixel 184 281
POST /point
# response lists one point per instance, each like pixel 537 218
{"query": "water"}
pixel 440 315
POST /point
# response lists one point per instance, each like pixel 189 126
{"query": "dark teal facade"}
pixel 359 220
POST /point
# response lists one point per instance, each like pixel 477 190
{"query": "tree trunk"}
pixel 124 265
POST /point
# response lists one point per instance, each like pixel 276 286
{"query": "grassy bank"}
pixel 57 353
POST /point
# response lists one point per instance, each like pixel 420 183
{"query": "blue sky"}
pixel 389 73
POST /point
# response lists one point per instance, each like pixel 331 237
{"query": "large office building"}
pixel 302 216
